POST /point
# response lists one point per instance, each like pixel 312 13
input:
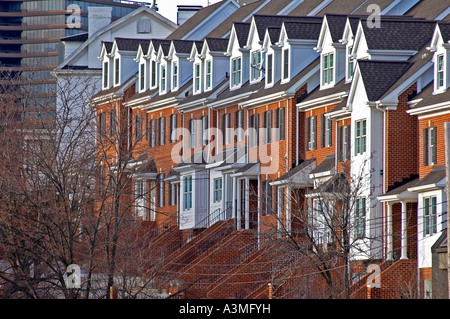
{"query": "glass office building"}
pixel 30 44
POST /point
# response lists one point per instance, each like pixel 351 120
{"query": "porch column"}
pixel 234 203
pixel 389 241
pixel 404 232
pixel 247 203
pixel 288 209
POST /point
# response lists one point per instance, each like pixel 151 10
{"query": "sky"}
pixel 168 8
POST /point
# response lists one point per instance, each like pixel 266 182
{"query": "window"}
pixel 162 190
pixel 327 68
pixel 285 64
pixel 208 75
pixel 163 78
pixel 269 72
pixel 326 131
pixel 311 133
pixel 267 124
pixel 193 133
pixel 117 72
pixel 343 141
pixel 255 67
pixel 140 200
pixel 236 72
pixel 173 128
pixel 137 128
pixel 217 190
pixel 440 71
pixel 205 130
pixel 197 77
pixel 187 193
pixel 279 124
pixel 101 125
pixel 360 217
pixel 174 74
pixel 226 128
pixel 350 63
pixel 429 146
pixel 267 191
pixel 429 216
pixel 162 131
pixel 142 77
pixel 143 26
pixel 113 123
pixel 153 73
pixel 105 74
pixel 239 125
pixel 360 137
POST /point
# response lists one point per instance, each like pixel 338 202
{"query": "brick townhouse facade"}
pixel 223 129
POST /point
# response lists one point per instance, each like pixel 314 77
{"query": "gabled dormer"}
pixel 153 66
pixel 216 64
pixel 297 42
pixel 180 67
pixel 197 66
pixel 332 50
pixel 440 46
pixel 105 58
pixel 257 54
pixel 348 38
pixel 143 66
pixel 238 54
pixel 272 61
pixel 162 59
pixel 123 54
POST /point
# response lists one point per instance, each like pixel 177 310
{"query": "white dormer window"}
pixel 327 69
pixel 350 63
pixel 197 77
pixel 154 74
pixel 208 74
pixel 174 74
pixel 236 72
pixel 105 74
pixel 117 71
pixel 285 64
pixel 142 77
pixel 269 69
pixel 255 67
pixel 440 71
pixel 163 78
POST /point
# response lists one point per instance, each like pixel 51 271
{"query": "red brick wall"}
pixel 401 142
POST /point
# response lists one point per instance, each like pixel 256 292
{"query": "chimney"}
pixel 98 18
pixel 185 12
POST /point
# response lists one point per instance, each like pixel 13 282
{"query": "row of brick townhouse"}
pixel 225 128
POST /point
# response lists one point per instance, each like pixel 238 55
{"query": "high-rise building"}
pixel 30 44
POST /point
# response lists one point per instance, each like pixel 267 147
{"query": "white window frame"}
pixel 208 75
pixel 187 192
pixel 163 80
pixel 327 68
pixel 360 136
pixel 153 74
pixel 429 215
pixel 286 65
pixel 269 69
pixel 255 66
pixel 142 78
pixel 360 217
pixel 140 201
pixel 197 78
pixel 175 71
pixel 440 72
pixel 350 63
pixel 236 72
pixel 106 74
pixel 116 71
pixel 218 189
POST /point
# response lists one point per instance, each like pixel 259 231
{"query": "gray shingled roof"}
pixel 81 37
pixel 326 165
pixel 444 27
pixel 126 44
pixel 302 30
pixel 379 76
pixel 336 25
pixel 242 30
pixel 264 21
pixel 218 45
pixel 399 34
pixel 182 46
